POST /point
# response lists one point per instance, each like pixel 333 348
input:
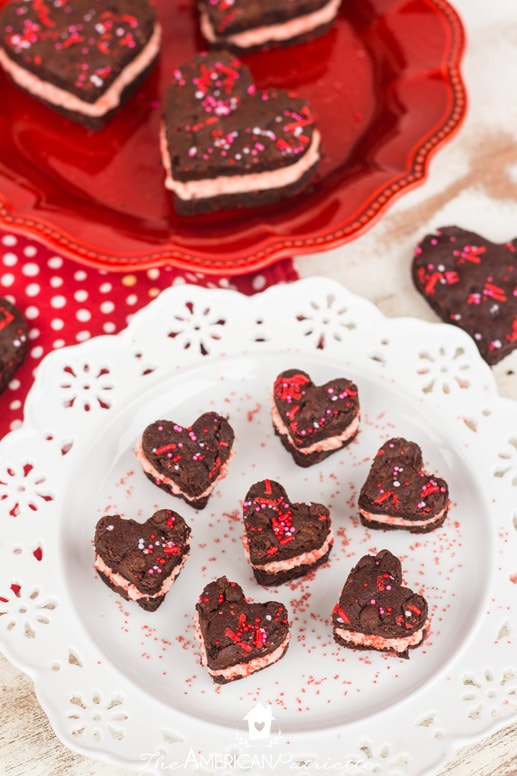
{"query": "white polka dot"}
pixel 179 281
pixel 15 405
pixel 109 327
pixel 83 315
pixel 37 352
pixel 10 259
pixel 153 274
pixel 107 307
pixel 58 301
pixel 81 296
pixel 59 343
pixel 33 289
pixel 132 299
pixel 30 251
pixel 15 424
pixel 7 279
pixel 81 336
pixel 55 262
pixel 34 334
pixel 80 275
pixel 105 288
pixel 9 240
pixel 259 281
pixel 31 312
pixel 30 269
pixel 56 324
pixel 56 281
pixel 14 384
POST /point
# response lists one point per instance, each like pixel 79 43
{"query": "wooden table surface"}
pixel 472 182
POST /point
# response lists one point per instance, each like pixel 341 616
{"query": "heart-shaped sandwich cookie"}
pixel 14 341
pixel 82 57
pixel 238 637
pixel 187 461
pixel 249 25
pixel 283 540
pixel 226 143
pixel 140 561
pixel 314 421
pixel 375 611
pixel 472 283
pixel 399 493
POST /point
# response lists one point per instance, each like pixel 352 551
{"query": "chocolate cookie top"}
pixel 278 529
pixel 313 413
pixel 374 601
pixel 217 122
pixel 397 483
pixel 471 282
pixel 13 341
pixel 143 553
pixel 80 46
pixel 191 456
pixel 235 630
pixel 230 18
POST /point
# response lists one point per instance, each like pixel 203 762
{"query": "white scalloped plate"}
pixel 126 686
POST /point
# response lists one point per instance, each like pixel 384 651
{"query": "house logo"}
pixel 259 720
pixel 261 733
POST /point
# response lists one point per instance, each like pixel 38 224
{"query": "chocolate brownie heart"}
pixel 472 283
pixel 140 561
pixel 81 57
pixel 226 143
pixel 283 539
pixel 313 421
pixel 248 25
pixel 399 493
pixel 375 611
pixel 187 461
pixel 238 637
pixel 13 341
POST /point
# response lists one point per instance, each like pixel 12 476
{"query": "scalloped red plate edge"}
pixel 274 248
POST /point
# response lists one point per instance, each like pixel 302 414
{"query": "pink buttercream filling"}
pixel 332 443
pixel 380 642
pixel 133 593
pixel 237 184
pixel 63 99
pixel 394 520
pixel 305 558
pixel 257 36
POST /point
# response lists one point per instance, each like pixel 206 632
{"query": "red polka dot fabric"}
pixel 65 303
